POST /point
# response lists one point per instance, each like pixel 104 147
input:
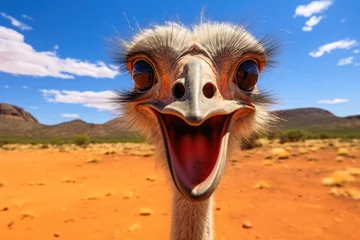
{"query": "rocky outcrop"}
pixel 13 112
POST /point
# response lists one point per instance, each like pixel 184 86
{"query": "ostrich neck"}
pixel 191 220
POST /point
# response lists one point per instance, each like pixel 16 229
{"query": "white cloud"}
pixel 56 47
pixel 343 20
pixel 327 48
pixel 33 107
pixel 309 24
pixel 312 8
pixel 98 100
pixel 357 64
pixel 356 51
pixel 345 61
pixel 26 17
pixel 6 86
pixel 15 22
pixel 70 115
pixel 333 101
pixel 25 87
pixel 18 57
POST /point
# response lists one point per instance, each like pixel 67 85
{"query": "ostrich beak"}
pixel 195 130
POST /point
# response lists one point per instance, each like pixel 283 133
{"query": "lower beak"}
pixel 196 155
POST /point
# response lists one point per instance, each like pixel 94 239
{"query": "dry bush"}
pixel 280 153
pixel 261 185
pixel 27 214
pixel 268 163
pixel 303 151
pixel 314 149
pixel 351 193
pixel 263 141
pixel 338 178
pixel 354 171
pixel 141 153
pixel 68 180
pixel 311 158
pixel 343 152
pixel 93 160
pixel 339 159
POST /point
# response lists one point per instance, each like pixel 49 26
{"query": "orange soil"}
pixel 47 193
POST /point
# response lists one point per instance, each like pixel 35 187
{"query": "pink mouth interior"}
pixel 196 148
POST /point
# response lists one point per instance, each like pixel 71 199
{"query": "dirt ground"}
pixel 98 192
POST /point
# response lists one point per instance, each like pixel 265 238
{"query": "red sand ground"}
pixel 48 193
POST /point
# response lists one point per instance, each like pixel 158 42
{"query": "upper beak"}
pixel 194 106
pixel 197 107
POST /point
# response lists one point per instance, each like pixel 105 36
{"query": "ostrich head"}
pixel 195 96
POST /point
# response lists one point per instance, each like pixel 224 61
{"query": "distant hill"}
pixel 15 113
pixel 303 117
pixel 15 122
pixel 318 120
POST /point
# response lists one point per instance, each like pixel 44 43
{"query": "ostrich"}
pixel 195 97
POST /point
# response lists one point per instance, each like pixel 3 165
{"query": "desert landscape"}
pixel 298 190
pixel 179 120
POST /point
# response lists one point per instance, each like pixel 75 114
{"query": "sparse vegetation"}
pixel 343 152
pixel 351 193
pixel 339 159
pixel 268 162
pixel 354 171
pixel 57 141
pixel 280 153
pixel 93 160
pixel 81 140
pixel 261 185
pixel 338 178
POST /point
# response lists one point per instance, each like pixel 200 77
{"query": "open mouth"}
pixel 196 154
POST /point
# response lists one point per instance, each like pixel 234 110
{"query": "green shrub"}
pixel 295 136
pixel 251 143
pixel 3 142
pixel 324 136
pixel 81 140
pixel 282 138
pixel 56 141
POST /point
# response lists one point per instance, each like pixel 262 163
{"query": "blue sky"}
pixel 56 63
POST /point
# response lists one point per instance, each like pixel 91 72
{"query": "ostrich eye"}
pixel 143 75
pixel 246 75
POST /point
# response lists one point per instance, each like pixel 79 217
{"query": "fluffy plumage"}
pixel 223 43
pixel 222 46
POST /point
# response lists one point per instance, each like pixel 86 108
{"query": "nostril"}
pixel 209 90
pixel 179 90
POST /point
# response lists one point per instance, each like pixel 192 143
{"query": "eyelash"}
pixel 128 96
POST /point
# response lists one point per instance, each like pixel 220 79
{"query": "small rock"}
pixel 128 195
pixel 217 209
pixel 145 211
pixel 4 209
pixel 247 224
pixel 11 224
pixel 69 220
pixel 57 235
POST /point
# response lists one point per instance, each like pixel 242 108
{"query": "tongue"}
pixel 195 160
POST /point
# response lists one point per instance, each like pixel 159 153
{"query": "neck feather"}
pixel 191 220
